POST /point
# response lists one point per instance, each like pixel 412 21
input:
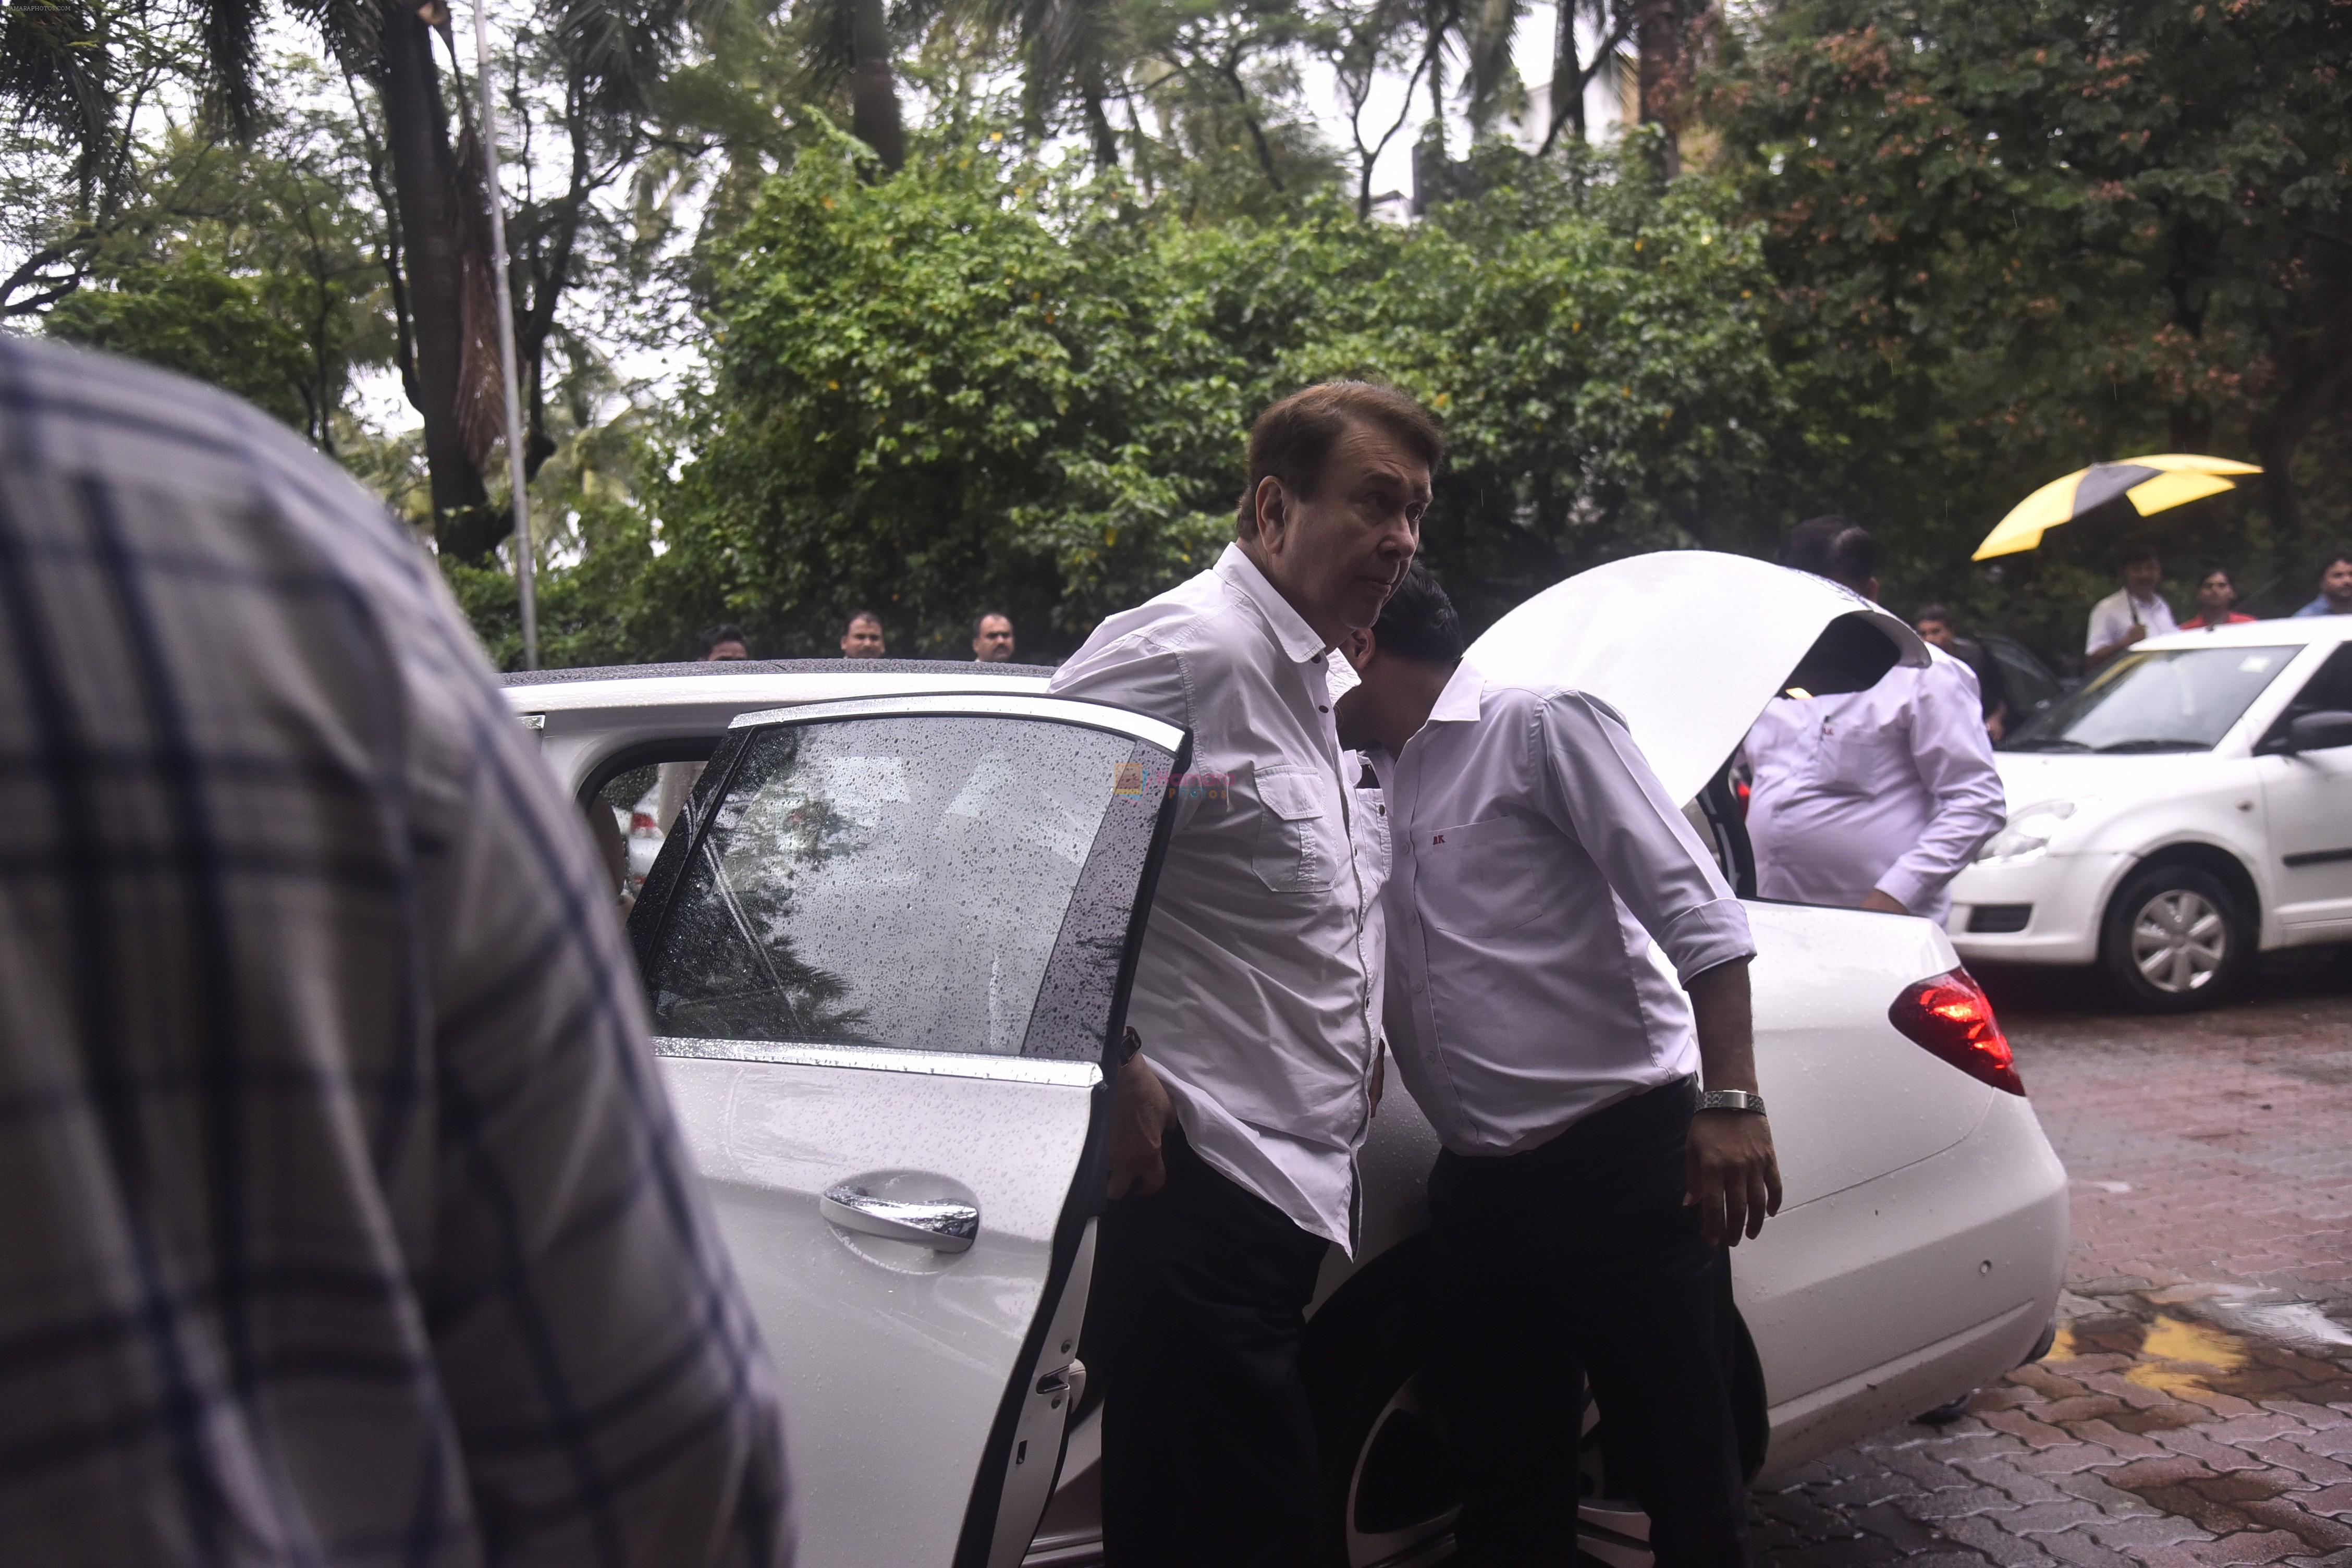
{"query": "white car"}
pixel 888 940
pixel 2190 806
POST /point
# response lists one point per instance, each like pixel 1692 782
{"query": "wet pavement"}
pixel 2197 1407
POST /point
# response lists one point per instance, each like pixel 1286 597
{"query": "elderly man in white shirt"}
pixel 2132 612
pixel 1871 799
pixel 1566 965
pixel 1234 1130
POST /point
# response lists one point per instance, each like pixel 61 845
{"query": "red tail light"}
pixel 1951 1016
pixel 641 825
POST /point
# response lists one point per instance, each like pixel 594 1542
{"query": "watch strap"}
pixel 1731 1099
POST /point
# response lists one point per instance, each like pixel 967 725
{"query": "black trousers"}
pixel 1576 1261
pixel 1201 1293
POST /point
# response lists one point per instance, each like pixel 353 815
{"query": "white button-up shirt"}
pixel 2112 616
pixel 1546 904
pixel 1892 788
pixel 1254 992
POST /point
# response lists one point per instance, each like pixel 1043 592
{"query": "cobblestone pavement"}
pixel 2197 1407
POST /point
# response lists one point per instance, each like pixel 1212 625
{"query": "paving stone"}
pixel 2145 1530
pixel 2335 1499
pixel 2317 1531
pixel 2009 1551
pixel 2066 1460
pixel 2252 1547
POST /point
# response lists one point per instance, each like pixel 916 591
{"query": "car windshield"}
pixel 2165 700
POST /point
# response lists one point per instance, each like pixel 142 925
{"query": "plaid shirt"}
pixel 342 1219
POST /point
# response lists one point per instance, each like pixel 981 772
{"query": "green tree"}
pixel 187 315
pixel 2010 239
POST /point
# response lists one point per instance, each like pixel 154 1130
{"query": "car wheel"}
pixel 2175 939
pixel 1389 1473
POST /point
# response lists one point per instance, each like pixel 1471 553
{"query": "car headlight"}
pixel 2029 832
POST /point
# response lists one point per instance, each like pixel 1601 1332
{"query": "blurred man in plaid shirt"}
pixel 341 1216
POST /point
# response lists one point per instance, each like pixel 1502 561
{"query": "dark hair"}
pixel 1291 440
pixel 1833 547
pixel 2137 553
pixel 1933 612
pixel 725 631
pixel 2218 571
pixel 1418 623
pixel 2332 558
pixel 857 616
pixel 988 615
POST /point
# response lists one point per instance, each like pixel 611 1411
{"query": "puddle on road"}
pixel 2189 1362
pixel 2191 1359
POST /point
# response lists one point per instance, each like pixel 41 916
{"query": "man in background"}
pixel 992 639
pixel 2216 592
pixel 723 644
pixel 2132 612
pixel 861 637
pixel 1934 623
pixel 2335 588
pixel 1871 799
pixel 342 1217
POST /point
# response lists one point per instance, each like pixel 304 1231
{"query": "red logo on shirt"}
pixel 1437 840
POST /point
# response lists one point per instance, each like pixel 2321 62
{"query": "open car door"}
pixel 886 953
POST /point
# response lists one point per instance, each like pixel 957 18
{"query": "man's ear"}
pixel 1358 646
pixel 1273 512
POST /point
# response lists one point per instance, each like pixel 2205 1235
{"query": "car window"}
pixel 2330 690
pixel 886 882
pixel 2168 699
pixel 2031 686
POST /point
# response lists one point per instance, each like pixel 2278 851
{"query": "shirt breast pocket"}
pixel 1481 879
pixel 1298 848
pixel 1860 758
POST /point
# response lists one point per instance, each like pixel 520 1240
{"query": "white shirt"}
pixel 1546 904
pixel 2112 616
pixel 1254 992
pixel 1892 788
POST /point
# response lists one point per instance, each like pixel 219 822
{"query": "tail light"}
pixel 1951 1016
pixel 641 825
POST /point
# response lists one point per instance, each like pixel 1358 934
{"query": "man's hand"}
pixel 1139 1117
pixel 1735 1179
pixel 2137 630
pixel 1882 903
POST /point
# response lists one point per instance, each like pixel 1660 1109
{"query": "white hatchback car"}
pixel 887 942
pixel 2190 806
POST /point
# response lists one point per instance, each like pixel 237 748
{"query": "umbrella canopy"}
pixel 2151 484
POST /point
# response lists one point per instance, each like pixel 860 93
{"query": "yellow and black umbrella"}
pixel 2151 484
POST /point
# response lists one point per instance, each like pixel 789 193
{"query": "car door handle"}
pixel 942 1226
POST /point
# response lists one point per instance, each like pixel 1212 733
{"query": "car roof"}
pixel 760 682
pixel 2260 634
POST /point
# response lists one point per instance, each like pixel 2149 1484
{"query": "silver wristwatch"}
pixel 1731 1099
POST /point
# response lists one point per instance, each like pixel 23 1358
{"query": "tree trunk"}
pixel 1567 73
pixel 872 94
pixel 1659 36
pixel 424 177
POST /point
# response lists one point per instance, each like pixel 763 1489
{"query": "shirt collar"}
pixel 1458 703
pixel 1298 639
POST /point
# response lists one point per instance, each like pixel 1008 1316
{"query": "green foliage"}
pixel 187 315
pixel 2013 239
pixel 988 383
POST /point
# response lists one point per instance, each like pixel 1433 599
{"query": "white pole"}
pixel 508 367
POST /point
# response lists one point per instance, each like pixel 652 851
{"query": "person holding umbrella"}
pixel 2132 612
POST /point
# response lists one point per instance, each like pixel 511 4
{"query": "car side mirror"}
pixel 2319 732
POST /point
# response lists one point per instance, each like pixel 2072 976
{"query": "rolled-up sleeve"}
pixel 1954 757
pixel 1601 792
